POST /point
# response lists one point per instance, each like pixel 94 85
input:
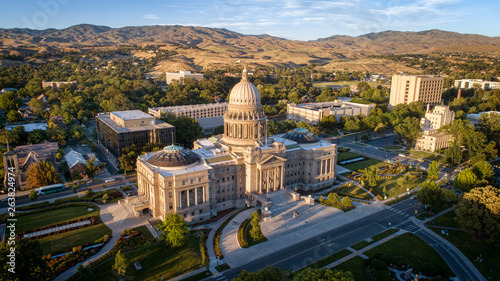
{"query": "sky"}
pixel 291 19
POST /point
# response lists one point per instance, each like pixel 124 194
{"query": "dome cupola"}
pixel 173 156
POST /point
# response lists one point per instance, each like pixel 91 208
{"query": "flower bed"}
pixel 218 251
pixel 93 221
pixel 241 234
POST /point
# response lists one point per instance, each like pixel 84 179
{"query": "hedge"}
pixel 241 234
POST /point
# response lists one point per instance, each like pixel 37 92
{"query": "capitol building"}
pixel 235 169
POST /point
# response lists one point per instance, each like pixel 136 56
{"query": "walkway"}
pixel 118 218
pixel 361 251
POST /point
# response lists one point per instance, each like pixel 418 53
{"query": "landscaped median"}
pixel 249 232
pixel 218 232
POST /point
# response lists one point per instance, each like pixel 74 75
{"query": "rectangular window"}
pixel 170 195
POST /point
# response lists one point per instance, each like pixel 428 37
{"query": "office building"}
pixel 406 89
pixel 314 112
pixel 176 77
pixel 431 139
pixel 476 83
pixel 121 129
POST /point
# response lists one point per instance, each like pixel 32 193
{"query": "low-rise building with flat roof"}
pixel 191 111
pixel 314 112
pixel 120 129
pixel 476 83
pixel 176 77
pixel 475 118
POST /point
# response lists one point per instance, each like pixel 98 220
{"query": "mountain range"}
pixel 215 45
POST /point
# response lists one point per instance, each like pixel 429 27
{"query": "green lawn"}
pixel 394 147
pixel 415 252
pixel 65 241
pixel 425 155
pixel 472 247
pixel 42 219
pixel 356 266
pixel 392 188
pixel 155 260
pixel 447 220
pixel 199 276
pixel 364 164
pixel 354 191
pixel 378 237
pixel 144 231
pixel 346 155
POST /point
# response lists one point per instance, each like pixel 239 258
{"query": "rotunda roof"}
pixel 245 92
pixel 301 135
pixel 173 156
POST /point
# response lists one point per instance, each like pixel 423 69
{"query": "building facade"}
pixel 314 112
pixel 56 84
pixel 475 118
pixel 235 169
pixel 406 89
pixel 431 139
pixel 476 83
pixel 191 111
pixel 24 156
pixel 176 77
pixel 121 129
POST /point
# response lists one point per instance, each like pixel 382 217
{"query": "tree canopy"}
pixel 174 230
pixel 430 194
pixel 479 211
pixel 465 180
pixel 187 130
pixel 41 174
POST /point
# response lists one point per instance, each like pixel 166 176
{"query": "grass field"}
pixel 364 164
pixel 144 231
pixel 155 260
pixel 392 188
pixel 42 219
pixel 356 266
pixel 411 247
pixel 354 191
pixel 471 247
pixel 65 241
pixel 425 155
pixel 346 155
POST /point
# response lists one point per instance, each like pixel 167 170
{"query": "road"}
pixel 22 197
pixel 323 245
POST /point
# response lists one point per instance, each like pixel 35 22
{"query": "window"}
pixel 183 182
pixel 170 206
pixel 170 195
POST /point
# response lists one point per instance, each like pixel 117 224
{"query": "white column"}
pixel 196 196
pixel 187 197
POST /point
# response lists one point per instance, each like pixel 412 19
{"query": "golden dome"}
pixel 244 93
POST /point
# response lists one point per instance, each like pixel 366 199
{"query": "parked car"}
pixel 110 180
pixel 413 197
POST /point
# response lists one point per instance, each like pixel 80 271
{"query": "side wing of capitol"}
pixel 236 169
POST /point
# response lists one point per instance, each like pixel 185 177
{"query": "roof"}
pixel 210 122
pixel 74 158
pixel 29 127
pixel 301 135
pixel 244 93
pixel 105 118
pixel 132 114
pixel 173 156
pixel 28 154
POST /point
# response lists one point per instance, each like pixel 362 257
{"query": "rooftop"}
pixel 132 115
pixel 105 117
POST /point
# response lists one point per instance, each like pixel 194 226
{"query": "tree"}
pixel 13 116
pixel 465 180
pixel 9 101
pixel 75 175
pixel 346 201
pixel 187 130
pixel 127 162
pixel 29 264
pixel 477 211
pixel 315 274
pixel 91 169
pixel 430 194
pixel 403 180
pixel 333 198
pixel 483 170
pixel 453 154
pixel 33 195
pixel 490 126
pixel 41 174
pixel 121 264
pixel 328 122
pixel 268 273
pixel 372 175
pixel 36 106
pixel 409 130
pixel 433 171
pixel 255 231
pixel 174 230
pixel 380 129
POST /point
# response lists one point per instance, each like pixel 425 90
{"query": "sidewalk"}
pixel 361 251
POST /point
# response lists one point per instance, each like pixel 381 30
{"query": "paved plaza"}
pixel 282 230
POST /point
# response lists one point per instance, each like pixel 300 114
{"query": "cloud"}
pixel 151 17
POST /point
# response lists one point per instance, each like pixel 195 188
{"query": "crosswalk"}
pixel 410 228
pixel 398 212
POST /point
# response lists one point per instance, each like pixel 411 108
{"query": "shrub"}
pixel 346 201
pixel 388 259
pixel 377 264
pixel 241 234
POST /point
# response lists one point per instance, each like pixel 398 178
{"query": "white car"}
pixel 413 197
pixel 110 180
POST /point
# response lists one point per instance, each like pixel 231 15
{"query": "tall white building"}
pixel 406 89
